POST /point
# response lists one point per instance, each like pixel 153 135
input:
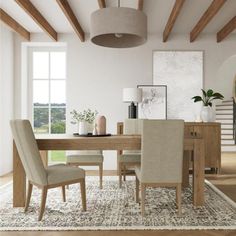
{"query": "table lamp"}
pixel 132 95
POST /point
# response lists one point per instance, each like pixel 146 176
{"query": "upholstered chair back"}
pixel 84 152
pixel 28 151
pixel 132 126
pixel 162 151
pixel 89 152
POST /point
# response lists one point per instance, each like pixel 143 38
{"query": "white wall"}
pixel 6 98
pixel 226 75
pixel 97 75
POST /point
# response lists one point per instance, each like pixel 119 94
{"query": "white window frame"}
pixel 30 80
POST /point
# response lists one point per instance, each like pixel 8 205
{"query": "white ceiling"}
pixel 157 11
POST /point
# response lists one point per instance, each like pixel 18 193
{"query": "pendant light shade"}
pixel 118 27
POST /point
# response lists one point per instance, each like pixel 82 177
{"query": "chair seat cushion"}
pixel 63 173
pixel 129 158
pixel 84 159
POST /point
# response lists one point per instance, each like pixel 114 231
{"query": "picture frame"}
pixel 154 102
pixel 183 73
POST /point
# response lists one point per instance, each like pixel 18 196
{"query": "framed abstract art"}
pixel 182 72
pixel 154 102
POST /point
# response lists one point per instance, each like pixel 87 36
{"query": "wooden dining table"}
pixel 195 145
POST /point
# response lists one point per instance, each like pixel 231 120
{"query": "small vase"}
pixel 83 127
pixel 90 127
pixel 95 132
pixel 207 114
pixel 101 125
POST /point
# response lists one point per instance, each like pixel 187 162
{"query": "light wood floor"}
pixel 226 182
pixel 122 233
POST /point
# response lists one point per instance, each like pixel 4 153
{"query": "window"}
pixel 48 78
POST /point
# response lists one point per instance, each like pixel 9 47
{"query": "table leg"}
pixel 198 172
pixel 19 180
pixel 185 172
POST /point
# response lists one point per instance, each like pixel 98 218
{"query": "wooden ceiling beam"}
pixel 140 5
pixel 33 12
pixel 226 30
pixel 206 18
pixel 65 7
pixel 172 18
pixel 13 24
pixel 102 3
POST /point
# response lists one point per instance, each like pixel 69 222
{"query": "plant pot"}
pixel 90 127
pixel 83 127
pixel 207 114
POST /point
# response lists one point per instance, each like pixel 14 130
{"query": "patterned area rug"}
pixel 115 209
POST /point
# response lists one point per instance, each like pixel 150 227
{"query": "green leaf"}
pixel 197 99
pixel 204 93
pixel 218 95
pixel 210 93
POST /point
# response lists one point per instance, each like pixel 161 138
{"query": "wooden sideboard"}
pixel 211 134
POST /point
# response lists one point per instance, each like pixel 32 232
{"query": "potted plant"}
pixel 84 120
pixel 207 98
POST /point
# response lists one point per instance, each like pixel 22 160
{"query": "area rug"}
pixel 115 209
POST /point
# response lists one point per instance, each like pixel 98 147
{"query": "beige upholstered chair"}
pixel 161 158
pixel 44 178
pixel 87 158
pixel 129 158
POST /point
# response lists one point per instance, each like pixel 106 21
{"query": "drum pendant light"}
pixel 118 27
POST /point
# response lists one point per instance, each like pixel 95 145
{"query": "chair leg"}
pixel 83 194
pixel 43 202
pixel 120 175
pixel 63 188
pixel 100 174
pixel 178 198
pixel 67 186
pixel 30 186
pixel 185 172
pixel 124 172
pixel 137 190
pixel 143 195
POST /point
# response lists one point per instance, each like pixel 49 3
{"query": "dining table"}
pixel 47 142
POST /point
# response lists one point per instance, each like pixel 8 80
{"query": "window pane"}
pixel 40 65
pixel 41 120
pixel 57 156
pixel 58 92
pixel 58 120
pixel 58 65
pixel 40 92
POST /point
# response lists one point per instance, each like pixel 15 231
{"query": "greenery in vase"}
pixel 207 97
pixel 86 115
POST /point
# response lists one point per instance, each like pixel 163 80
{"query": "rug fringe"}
pixel 219 192
pixel 120 228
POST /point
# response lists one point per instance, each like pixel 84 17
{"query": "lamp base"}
pixel 132 111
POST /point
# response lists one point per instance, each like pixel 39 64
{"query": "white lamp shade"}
pixel 132 95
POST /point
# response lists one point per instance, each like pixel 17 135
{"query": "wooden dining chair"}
pixel 87 158
pixel 161 158
pixel 44 178
pixel 129 158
